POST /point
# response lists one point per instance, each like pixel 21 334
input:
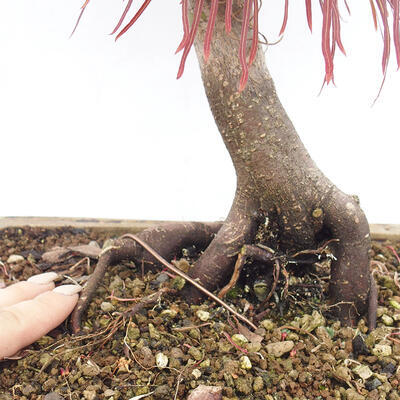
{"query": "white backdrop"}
pixel 94 128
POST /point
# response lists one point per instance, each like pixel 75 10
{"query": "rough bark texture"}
pixel 276 177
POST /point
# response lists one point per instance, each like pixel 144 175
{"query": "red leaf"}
pixel 121 20
pixel 336 27
pixel 228 15
pixel 185 23
pixel 134 19
pixel 309 14
pixel 386 33
pixel 242 46
pixel 80 16
pixel 347 6
pixel 254 44
pixel 196 19
pixel 285 17
pixel 396 34
pixel 210 27
pixel 374 14
pixel 326 39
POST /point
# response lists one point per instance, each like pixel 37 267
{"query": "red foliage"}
pixel 185 23
pixel 330 29
pixel 210 28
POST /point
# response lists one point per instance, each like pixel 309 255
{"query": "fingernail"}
pixel 42 279
pixel 67 290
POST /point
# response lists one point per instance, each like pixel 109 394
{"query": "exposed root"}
pixel 190 280
pixel 124 250
pixel 167 240
pixel 372 304
pixel 257 253
pixel 379 269
pixel 323 249
pixel 235 276
pixel 226 243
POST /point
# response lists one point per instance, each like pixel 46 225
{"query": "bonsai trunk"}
pixel 276 178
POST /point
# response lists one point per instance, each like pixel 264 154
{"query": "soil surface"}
pixel 141 340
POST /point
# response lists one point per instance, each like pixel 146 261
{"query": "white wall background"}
pixel 94 128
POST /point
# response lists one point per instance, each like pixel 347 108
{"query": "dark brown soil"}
pixel 120 358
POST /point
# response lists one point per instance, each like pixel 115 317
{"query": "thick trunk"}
pixel 275 176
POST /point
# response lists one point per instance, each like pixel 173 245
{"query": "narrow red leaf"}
pixel 254 43
pixel 242 45
pixel 386 33
pixel 80 16
pixel 228 15
pixel 309 14
pixel 196 19
pixel 336 27
pixel 134 19
pixel 326 39
pixel 185 23
pixel 210 27
pixel 347 6
pixel 121 20
pixel 285 17
pixel 373 14
pixel 396 33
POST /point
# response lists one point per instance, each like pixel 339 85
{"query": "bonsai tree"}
pixel 282 199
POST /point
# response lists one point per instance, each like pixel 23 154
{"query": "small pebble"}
pixel 53 396
pixel 203 315
pixel 245 362
pixel 389 369
pixel 239 339
pixel 362 371
pixel 387 320
pixel 89 394
pixel 161 360
pixel 258 384
pixel 203 392
pixel 109 393
pixel 162 392
pixel 195 353
pixel 14 259
pixel 382 350
pixel 279 348
pixel 268 325
pixel 107 307
pixel 373 384
pixel 196 373
pixel 395 304
pixel 90 369
pixel 154 334
pixel 161 278
pixel 359 346
pixel 342 373
pixel 169 313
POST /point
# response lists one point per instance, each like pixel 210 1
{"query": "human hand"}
pixel 32 308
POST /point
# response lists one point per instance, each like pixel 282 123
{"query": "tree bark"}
pixel 276 177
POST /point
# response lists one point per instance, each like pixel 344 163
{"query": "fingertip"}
pixel 42 279
pixel 22 291
pixel 27 321
pixel 68 290
pixel 56 300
